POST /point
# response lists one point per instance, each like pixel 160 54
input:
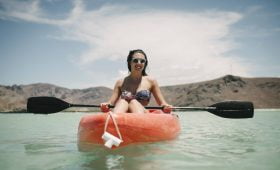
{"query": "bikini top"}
pixel 142 95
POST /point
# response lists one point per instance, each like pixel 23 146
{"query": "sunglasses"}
pixel 139 60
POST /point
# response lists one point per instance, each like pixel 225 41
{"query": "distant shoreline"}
pixel 263 92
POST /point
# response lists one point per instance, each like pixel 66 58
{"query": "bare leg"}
pixel 121 106
pixel 136 107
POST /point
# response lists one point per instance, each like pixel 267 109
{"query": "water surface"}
pixel 206 141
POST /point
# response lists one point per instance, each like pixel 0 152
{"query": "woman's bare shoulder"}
pixel 119 82
pixel 151 79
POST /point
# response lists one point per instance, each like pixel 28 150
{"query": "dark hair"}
pixel 129 58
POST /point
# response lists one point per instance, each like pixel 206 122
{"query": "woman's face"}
pixel 138 62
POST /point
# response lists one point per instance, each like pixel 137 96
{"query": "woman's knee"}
pixel 136 107
pixel 121 106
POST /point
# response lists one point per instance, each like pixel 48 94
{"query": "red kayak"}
pixel 127 128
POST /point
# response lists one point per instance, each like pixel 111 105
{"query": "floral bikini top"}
pixel 142 95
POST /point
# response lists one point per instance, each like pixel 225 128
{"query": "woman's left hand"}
pixel 167 108
pixel 104 107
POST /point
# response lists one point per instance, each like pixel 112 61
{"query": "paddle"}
pixel 226 109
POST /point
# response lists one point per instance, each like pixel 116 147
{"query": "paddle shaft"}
pixel 184 108
pixel 155 107
pixel 226 112
pixel 158 107
pixel 83 105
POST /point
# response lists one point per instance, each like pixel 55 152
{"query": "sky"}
pixel 84 43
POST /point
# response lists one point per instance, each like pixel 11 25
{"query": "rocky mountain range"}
pixel 263 92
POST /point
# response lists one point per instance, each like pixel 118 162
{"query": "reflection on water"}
pixel 140 156
pixel 114 161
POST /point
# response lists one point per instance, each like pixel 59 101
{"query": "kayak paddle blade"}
pixel 233 109
pixel 46 105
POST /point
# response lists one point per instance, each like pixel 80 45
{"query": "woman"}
pixel 133 92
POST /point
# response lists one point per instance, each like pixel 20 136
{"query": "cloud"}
pixel 31 11
pixel 181 46
pixel 22 10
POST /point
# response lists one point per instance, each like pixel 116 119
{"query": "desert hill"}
pixel 263 92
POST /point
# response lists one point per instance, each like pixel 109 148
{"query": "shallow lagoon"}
pixel 206 142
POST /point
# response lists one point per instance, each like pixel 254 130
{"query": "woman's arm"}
pixel 167 108
pixel 157 93
pixel 104 107
pixel 116 93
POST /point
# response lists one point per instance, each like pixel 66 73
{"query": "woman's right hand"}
pixel 167 108
pixel 104 107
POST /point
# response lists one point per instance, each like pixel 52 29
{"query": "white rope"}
pixel 110 114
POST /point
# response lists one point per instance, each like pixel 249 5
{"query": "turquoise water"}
pixel 206 141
